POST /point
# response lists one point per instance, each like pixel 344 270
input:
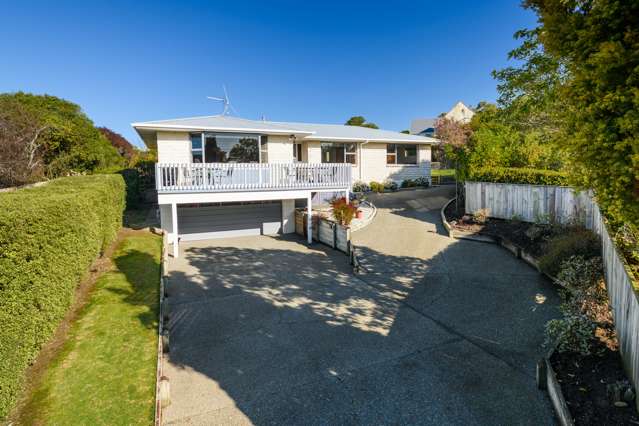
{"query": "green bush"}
pixel 390 185
pixel 573 241
pixel 49 236
pixel 517 175
pixel 359 186
pixel 376 187
pixel 408 183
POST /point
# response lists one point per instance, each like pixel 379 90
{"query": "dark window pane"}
pixel 350 147
pixel 263 141
pixel 332 152
pixel 351 158
pixel 231 149
pixel 390 159
pixel 196 141
pixel 407 154
pixel 197 156
pixel 390 148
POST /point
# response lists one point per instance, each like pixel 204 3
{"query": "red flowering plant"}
pixel 343 211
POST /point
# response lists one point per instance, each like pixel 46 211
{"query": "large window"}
pixel 297 152
pixel 401 154
pixel 339 152
pixel 226 148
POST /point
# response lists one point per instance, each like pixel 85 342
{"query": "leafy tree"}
pixel 598 44
pixel 69 142
pixel 358 120
pixel 119 142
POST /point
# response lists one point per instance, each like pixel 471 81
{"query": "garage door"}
pixel 202 221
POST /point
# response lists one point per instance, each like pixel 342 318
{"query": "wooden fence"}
pixel 538 203
pixel 325 231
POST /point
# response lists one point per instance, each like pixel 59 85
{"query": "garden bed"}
pixel 584 383
pixel 517 232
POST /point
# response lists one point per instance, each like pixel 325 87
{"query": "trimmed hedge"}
pixel 518 175
pixel 49 236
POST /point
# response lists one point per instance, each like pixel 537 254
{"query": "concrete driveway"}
pixel 436 331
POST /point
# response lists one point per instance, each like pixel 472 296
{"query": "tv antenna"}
pixel 225 101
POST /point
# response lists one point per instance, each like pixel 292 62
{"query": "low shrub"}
pixel 422 181
pixel 518 175
pixel 360 186
pixel 376 187
pixel 138 180
pixel 49 236
pixel 408 183
pixel 343 211
pixel 390 185
pixel 573 241
pixel 572 333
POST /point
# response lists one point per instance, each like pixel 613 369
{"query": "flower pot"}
pixel 359 214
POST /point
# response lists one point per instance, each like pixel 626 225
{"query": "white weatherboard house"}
pixel 221 176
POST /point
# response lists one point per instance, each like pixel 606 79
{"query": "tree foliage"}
pixel 68 142
pixel 120 143
pixel 598 44
pixel 358 120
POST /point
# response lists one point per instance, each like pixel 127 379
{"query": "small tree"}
pixel 20 146
pixel 360 121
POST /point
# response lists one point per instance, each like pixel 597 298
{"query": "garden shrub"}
pixel 574 241
pixel 390 185
pixel 49 236
pixel 408 183
pixel 343 211
pixel 376 187
pixel 422 181
pixel 359 186
pixel 572 333
pixel 517 175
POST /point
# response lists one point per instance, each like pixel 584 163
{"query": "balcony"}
pixel 229 177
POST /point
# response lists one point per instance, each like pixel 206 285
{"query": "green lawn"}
pixel 105 373
pixel 443 172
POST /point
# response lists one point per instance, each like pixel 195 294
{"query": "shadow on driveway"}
pixel 269 331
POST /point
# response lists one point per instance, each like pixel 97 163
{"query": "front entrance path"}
pixel 436 331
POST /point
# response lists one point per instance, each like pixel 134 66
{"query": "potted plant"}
pixel 343 211
pixel 359 214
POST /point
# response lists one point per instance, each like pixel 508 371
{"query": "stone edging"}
pixel 369 220
pixel 546 378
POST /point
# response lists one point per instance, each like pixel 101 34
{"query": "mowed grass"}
pixel 105 373
pixel 443 172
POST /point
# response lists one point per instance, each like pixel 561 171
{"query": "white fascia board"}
pixel 379 140
pixel 172 127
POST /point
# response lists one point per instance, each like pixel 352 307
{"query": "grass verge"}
pixel 443 172
pixel 105 370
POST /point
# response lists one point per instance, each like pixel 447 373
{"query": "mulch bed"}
pixel 514 231
pixel 584 381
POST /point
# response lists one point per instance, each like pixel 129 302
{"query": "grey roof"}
pixel 420 124
pixel 225 123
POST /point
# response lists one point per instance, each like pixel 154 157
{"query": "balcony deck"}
pixel 174 178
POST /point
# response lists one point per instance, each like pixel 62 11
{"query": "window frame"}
pixel 395 155
pixel 199 150
pixel 262 149
pixel 350 153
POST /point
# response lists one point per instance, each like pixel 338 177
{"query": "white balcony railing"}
pixel 220 177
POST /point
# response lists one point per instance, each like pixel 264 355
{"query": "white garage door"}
pixel 205 221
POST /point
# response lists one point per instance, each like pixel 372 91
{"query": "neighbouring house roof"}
pixel 420 124
pixel 311 131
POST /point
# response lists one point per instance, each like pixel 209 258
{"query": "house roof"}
pixel 311 131
pixel 420 124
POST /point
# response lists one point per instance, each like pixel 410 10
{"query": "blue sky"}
pixel 322 62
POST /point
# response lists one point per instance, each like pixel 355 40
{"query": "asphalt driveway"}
pixel 436 331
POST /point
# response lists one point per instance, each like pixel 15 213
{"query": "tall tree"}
pixel 69 142
pixel 119 142
pixel 598 43
pixel 358 120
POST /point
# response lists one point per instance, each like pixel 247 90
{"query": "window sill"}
pixel 402 165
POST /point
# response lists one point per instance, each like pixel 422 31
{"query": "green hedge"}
pixel 49 236
pixel 518 175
